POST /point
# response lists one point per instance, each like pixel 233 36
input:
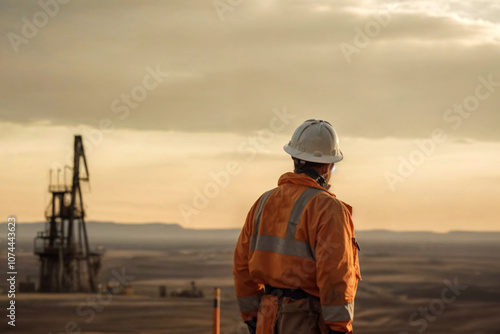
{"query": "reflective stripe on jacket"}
pixel 299 235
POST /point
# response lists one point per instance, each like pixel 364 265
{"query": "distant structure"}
pixel 66 262
pixel 193 293
pixel 117 288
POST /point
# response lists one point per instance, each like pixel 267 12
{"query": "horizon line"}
pixel 239 228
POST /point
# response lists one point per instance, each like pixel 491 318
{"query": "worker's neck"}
pixel 312 173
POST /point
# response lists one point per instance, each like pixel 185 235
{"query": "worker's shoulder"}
pixel 328 201
pixel 326 198
pixel 263 198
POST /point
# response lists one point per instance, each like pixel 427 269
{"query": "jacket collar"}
pixel 304 180
pixel 301 179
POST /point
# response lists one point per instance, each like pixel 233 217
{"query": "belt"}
pixel 280 292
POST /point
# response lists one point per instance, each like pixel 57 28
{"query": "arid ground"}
pixel 407 288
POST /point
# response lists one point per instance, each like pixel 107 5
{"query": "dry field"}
pixel 406 289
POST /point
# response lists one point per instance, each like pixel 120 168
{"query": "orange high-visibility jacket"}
pixel 299 235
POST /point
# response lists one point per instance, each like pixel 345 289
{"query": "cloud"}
pixel 227 76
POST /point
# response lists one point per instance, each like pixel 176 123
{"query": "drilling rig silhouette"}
pixel 66 262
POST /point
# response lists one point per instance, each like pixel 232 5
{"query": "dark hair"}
pixel 303 165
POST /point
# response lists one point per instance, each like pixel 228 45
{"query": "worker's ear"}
pixel 325 169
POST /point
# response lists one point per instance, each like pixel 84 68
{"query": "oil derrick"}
pixel 66 262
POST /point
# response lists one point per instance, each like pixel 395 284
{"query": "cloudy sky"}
pixel 185 105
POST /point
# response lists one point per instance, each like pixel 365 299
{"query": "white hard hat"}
pixel 315 141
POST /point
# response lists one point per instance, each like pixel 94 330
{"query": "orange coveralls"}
pixel 297 236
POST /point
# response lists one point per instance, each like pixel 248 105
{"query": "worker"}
pixel 296 267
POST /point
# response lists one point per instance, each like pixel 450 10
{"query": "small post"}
pixel 216 329
pixel 163 291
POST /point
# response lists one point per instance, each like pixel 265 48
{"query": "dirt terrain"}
pixel 406 288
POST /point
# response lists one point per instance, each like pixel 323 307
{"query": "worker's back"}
pixel 295 238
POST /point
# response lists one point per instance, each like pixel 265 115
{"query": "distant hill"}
pixel 108 233
pixel 116 233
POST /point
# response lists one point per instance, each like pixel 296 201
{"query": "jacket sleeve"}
pixel 248 292
pixel 335 266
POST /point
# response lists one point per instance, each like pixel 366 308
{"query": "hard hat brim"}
pixel 325 159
